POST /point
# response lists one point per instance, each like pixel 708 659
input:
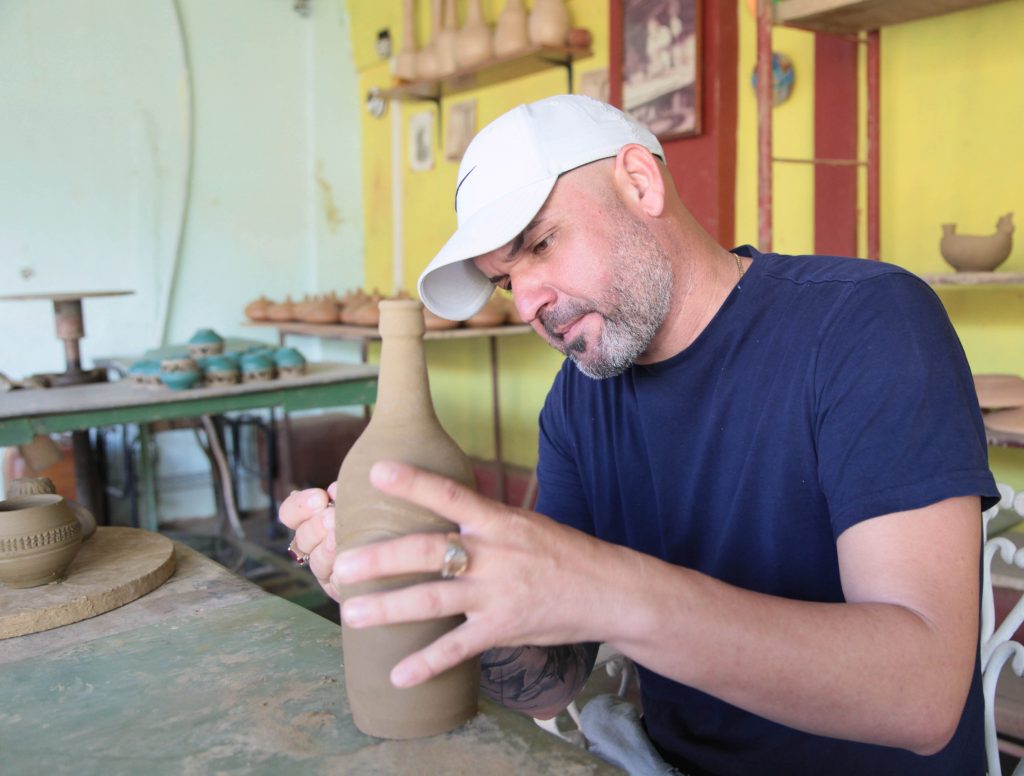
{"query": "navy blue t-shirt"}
pixel 824 392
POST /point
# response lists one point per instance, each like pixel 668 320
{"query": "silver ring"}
pixel 302 558
pixel 456 558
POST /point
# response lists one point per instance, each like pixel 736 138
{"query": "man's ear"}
pixel 638 179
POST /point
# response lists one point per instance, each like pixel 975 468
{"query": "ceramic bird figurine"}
pixel 977 253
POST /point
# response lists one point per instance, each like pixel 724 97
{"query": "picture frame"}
pixel 661 65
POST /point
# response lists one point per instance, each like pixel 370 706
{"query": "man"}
pixel 763 476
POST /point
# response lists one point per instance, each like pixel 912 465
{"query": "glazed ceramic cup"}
pixel 39 537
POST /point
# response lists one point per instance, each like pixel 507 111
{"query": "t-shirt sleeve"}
pixel 897 425
pixel 560 493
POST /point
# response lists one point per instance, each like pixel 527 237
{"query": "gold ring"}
pixel 302 558
pixel 456 558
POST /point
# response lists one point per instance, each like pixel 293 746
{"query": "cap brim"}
pixel 451 285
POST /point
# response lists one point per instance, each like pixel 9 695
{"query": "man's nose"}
pixel 531 295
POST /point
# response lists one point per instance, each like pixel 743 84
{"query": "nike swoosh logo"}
pixel 460 186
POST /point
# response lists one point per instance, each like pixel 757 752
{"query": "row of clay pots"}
pixel 451 49
pixel 357 308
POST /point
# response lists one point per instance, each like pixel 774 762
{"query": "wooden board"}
pixel 115 566
pixel 848 17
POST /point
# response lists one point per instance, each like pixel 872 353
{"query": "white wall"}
pixel 197 153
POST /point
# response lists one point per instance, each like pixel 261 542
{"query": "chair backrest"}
pixel 997 644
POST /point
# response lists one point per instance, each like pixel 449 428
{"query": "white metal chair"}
pixel 997 644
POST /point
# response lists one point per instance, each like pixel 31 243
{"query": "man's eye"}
pixel 542 245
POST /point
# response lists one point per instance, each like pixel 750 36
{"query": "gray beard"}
pixel 633 309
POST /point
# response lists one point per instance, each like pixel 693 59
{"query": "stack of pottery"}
pixel 205 342
pixel 1001 396
pixel 39 537
pixel 180 373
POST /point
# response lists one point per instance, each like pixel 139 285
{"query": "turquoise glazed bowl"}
pixel 178 374
pixel 205 342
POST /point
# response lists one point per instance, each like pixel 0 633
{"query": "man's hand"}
pixel 310 513
pixel 530 580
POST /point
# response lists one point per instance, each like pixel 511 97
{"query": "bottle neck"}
pixel 403 387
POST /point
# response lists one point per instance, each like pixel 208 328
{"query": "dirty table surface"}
pixel 209 674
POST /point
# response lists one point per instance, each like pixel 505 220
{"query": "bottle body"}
pixel 404 428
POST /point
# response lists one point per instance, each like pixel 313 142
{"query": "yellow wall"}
pixel 952 150
pixel 460 379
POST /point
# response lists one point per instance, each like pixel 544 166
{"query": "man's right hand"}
pixel 310 513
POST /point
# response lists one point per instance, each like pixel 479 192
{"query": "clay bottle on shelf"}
pixel 474 44
pixel 549 23
pixel 405 428
pixel 405 62
pixel 510 34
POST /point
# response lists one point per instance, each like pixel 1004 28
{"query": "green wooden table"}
pixel 208 674
pixel 26 413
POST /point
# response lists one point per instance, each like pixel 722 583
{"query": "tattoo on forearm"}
pixel 532 679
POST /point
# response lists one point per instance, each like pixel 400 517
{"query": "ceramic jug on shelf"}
pixel 405 62
pixel 474 44
pixel 403 427
pixel 510 34
pixel 444 43
pixel 549 23
pixel 427 66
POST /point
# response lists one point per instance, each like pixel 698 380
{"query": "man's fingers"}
pixel 427 601
pixel 300 506
pixel 431 491
pixel 457 645
pixel 412 554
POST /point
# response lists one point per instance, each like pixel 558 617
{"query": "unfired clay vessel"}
pixel 427 66
pixel 257 309
pixel 510 33
pixel 977 253
pixel 444 40
pixel 549 23
pixel 493 313
pixel 405 428
pixel 39 537
pixel 43 486
pixel 405 62
pixel 474 44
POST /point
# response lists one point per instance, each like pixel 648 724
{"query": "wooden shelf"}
pixel 532 60
pixel 848 17
pixel 369 333
pixel 974 278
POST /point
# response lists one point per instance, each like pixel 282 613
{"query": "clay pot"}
pixel 474 44
pixel 257 310
pixel 365 313
pixel 493 313
pixel 405 62
pixel 549 23
pixel 39 537
pixel 434 322
pixel 977 253
pixel 282 311
pixel 179 374
pixel 320 309
pixel 405 428
pixel 510 34
pixel 428 66
pixel 29 486
pixel 205 342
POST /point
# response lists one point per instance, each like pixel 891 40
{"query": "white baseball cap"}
pixel 505 177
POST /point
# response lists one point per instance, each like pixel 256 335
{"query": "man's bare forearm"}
pixel 539 681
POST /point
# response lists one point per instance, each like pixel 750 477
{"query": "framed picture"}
pixel 661 65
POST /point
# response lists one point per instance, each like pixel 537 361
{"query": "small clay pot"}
pixel 432 322
pixel 257 367
pixel 493 313
pixel 474 43
pixel 319 309
pixel 549 23
pixel 290 362
pixel 283 311
pixel 257 310
pixel 179 374
pixel 205 342
pixel 510 33
pixel 29 486
pixel 977 253
pixel 39 537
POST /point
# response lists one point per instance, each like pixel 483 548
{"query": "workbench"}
pixel 25 413
pixel 209 674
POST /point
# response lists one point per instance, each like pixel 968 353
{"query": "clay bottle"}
pixel 549 23
pixel 405 62
pixel 510 35
pixel 474 44
pixel 403 427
